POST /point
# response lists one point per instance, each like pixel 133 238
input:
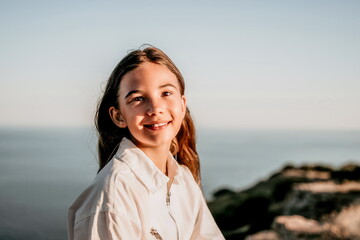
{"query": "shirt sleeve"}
pixel 104 225
pixel 205 225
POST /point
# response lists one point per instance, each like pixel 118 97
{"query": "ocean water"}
pixel 43 170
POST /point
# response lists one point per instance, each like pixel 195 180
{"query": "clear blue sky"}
pixel 247 64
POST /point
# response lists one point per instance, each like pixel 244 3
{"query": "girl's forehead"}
pixel 148 75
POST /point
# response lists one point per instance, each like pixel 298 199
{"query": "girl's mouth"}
pixel 156 126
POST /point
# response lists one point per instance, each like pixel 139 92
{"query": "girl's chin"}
pixel 152 142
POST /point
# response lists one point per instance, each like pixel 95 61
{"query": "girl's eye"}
pixel 165 94
pixel 137 99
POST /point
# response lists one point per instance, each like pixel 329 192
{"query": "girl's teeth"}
pixel 159 125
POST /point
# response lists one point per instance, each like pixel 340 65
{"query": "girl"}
pixel 142 191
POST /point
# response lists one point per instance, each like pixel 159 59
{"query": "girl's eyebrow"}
pixel 162 86
pixel 168 85
pixel 131 92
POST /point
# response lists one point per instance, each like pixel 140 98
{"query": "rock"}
pixel 346 223
pixel 329 187
pixel 264 235
pixel 314 200
pixel 297 228
pixel 347 172
pixel 308 174
pixel 316 194
pixel 223 192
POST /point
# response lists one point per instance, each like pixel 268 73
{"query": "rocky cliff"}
pixel 304 202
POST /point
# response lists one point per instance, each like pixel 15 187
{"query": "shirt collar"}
pixel 145 169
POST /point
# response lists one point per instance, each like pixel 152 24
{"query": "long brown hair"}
pixel 183 146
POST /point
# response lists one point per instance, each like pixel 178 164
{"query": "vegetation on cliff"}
pixel 305 202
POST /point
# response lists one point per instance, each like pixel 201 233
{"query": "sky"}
pixel 247 64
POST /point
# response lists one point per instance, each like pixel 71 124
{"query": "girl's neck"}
pixel 158 155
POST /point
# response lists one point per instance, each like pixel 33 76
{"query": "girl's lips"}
pixel 157 126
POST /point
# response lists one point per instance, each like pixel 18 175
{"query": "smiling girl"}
pixel 147 186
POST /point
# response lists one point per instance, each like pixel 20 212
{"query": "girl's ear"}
pixel 116 117
pixel 183 104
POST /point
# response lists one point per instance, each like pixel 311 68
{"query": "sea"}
pixel 42 170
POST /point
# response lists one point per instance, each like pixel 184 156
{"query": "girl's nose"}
pixel 154 107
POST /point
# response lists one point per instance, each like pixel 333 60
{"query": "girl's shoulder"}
pixel 114 171
pixel 103 194
pixel 189 178
pixel 185 170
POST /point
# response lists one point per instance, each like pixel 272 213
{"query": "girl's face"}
pixel 151 105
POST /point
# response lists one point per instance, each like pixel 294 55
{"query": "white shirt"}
pixel 132 199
